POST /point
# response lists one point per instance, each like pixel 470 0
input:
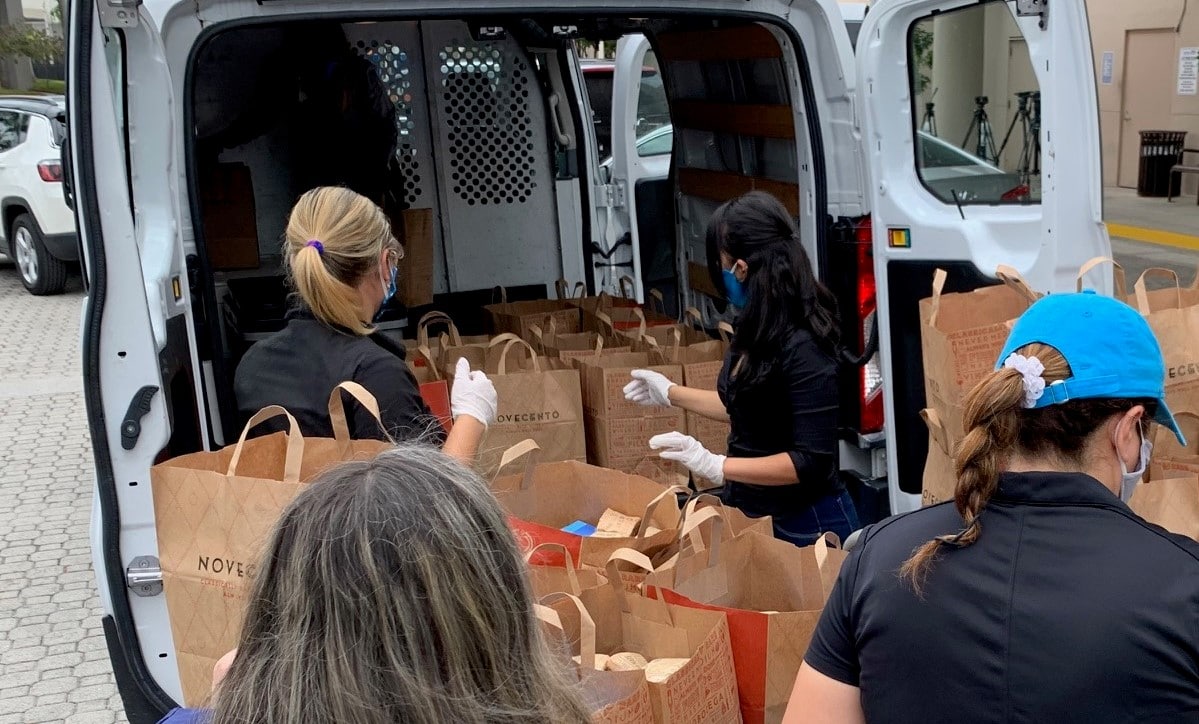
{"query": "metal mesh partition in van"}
pixel 734 129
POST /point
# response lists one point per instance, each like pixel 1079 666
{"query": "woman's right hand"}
pixel 649 388
pixel 473 394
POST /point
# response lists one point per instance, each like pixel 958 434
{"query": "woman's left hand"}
pixel 695 457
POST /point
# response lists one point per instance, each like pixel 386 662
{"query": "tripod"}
pixel 1028 115
pixel 928 123
pixel 981 123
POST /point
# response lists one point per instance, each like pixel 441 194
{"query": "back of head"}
pixel 392 590
pixel 334 239
pixel 783 293
pixel 1072 363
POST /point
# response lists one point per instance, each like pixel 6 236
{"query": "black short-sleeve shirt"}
pixel 790 408
pixel 299 366
pixel 1069 608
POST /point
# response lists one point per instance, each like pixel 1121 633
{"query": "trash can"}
pixel 1159 152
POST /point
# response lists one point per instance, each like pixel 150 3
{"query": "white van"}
pixel 194 124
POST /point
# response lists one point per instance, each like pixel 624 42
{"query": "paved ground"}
pixel 53 662
pixel 1173 225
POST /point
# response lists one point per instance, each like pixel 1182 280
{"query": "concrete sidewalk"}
pixel 1152 220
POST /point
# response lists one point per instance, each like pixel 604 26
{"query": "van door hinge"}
pixel 1033 9
pixel 611 196
pixel 118 13
pixel 144 576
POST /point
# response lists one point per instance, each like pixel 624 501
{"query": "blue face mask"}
pixel 389 292
pixel 734 289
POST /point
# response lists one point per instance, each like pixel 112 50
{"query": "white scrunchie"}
pixel 1031 369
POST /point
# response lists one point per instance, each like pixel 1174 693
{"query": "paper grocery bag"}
pixel 214 511
pixel 433 344
pixel 940 478
pixel 962 334
pixel 773 594
pixel 518 317
pixel 612 697
pixel 703 687
pixel 544 498
pixel 552 343
pixel 434 391
pixel 539 399
pixel 558 576
pixel 1169 457
pixel 1171 501
pixel 604 380
pixel 1173 314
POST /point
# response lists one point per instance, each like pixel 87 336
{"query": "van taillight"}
pixel 871 374
pixel 50 171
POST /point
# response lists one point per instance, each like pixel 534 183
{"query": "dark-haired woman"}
pixel 778 387
pixel 1037 595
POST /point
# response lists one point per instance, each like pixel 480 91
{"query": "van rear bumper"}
pixel 64 247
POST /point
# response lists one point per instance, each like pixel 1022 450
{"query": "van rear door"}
pixel 1005 169
pixel 138 346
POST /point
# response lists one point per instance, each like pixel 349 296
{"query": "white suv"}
pixel 38 229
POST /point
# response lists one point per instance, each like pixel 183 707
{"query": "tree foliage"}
pixel 27 42
pixel 922 56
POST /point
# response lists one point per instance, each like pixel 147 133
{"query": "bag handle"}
pixel 502 369
pixel 586 626
pixel 295 443
pixel 655 295
pixel 433 318
pixel 606 320
pixel 427 353
pixel 939 277
pixel 643 326
pixel 1117 274
pixel 571 575
pixel 502 293
pixel 652 507
pixel 714 518
pixel 822 546
pixel 696 318
pixel 933 420
pixel 528 449
pixel 337 408
pixel 599 345
pixel 1012 279
pixel 628 288
pixel 726 332
pixel 636 559
pixel 1142 291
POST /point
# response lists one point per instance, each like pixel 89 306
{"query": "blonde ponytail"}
pixel 333 240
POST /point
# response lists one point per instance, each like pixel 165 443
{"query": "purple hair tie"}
pixel 320 248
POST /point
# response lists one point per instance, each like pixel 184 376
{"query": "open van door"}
pixel 642 140
pixel 138 346
pixel 980 123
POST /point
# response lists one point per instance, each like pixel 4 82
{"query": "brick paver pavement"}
pixel 53 661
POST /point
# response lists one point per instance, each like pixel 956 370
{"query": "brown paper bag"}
pixel 773 594
pixel 415 280
pixel 1171 501
pixel 213 512
pixel 518 317
pixel 1173 314
pixel 963 333
pixel 940 479
pixel 433 343
pixel 539 399
pixel 551 343
pixel 613 697
pixel 546 497
pixel 1171 458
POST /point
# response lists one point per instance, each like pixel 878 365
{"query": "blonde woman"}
pixel 341 259
pixel 1037 595
pixel 393 591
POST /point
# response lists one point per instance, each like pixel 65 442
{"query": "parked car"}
pixel 947 168
pixel 38 228
pixel 653 108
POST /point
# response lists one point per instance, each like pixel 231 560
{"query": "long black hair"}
pixel 783 292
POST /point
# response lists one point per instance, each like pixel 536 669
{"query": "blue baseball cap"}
pixel 1109 346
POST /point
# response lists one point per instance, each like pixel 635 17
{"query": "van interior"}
pixel 475 138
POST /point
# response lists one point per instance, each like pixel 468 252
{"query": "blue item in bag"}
pixel 580 528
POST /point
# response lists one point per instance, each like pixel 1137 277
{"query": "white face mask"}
pixel 1129 480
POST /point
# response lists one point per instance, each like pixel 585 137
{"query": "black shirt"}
pixel 1068 608
pixel 299 366
pixel 791 408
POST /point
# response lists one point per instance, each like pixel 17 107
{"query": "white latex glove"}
pixel 648 388
pixel 685 449
pixel 473 394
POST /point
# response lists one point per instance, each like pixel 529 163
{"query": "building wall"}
pixel 1111 20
